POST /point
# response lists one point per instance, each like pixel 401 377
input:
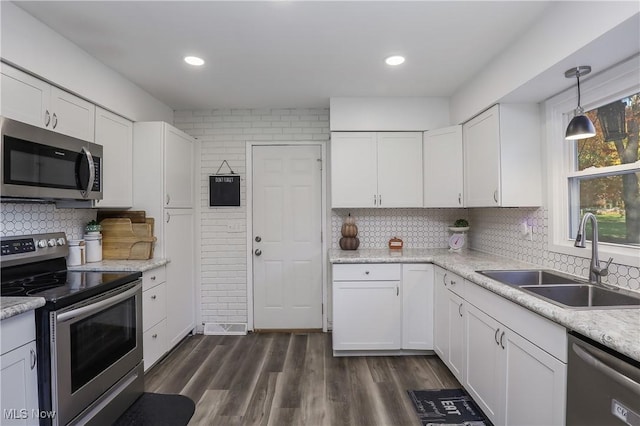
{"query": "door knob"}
pixel 258 252
pixel 258 239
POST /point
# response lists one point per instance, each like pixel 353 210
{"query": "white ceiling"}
pixel 290 53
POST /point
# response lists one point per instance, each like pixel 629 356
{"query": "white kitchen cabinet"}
pixel 163 185
pixel 502 157
pixel 449 311
pixel 154 315
pixel 417 306
pixel 18 370
pixel 367 307
pixel 370 169
pixel 115 134
pixel 443 167
pixel 28 99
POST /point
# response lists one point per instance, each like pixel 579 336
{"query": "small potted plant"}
pixel 93 227
pixel 460 225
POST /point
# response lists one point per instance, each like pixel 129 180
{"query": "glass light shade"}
pixel 394 60
pixel 194 60
pixel 580 127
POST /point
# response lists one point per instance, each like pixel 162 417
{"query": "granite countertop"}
pixel 121 265
pixel 618 329
pixel 12 306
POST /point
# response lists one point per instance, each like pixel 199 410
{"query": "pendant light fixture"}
pixel 580 127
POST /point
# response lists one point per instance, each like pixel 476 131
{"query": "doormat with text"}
pixel 439 407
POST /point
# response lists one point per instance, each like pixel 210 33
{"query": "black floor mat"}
pixel 158 410
pixel 447 407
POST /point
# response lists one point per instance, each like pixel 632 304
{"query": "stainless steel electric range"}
pixel 89 333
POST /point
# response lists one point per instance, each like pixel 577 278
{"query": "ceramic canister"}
pixel 94 246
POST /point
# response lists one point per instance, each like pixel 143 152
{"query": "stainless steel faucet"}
pixel 595 271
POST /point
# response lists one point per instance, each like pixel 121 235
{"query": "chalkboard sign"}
pixel 224 191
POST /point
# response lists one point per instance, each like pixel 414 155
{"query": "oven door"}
pixel 39 163
pixel 94 344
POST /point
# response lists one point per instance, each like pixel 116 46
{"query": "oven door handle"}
pixel 98 306
pixel 612 373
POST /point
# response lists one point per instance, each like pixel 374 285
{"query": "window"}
pixel 600 174
pixel 605 179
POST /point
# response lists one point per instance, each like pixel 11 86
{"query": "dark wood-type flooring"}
pixel 293 379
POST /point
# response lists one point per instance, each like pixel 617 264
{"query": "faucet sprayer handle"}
pixel 603 272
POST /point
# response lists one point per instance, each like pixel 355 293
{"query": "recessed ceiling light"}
pixel 394 60
pixel 194 60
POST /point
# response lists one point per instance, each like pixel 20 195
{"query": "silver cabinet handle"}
pixel 366 272
pixel 459 198
pixel 444 280
pixel 460 309
pixel 375 200
pixel 258 252
pixel 154 297
pixel 34 358
pixel 153 278
pixel 92 171
pixel 380 200
pixel 155 336
pixel 168 199
pixel 55 120
pixel 453 282
pixel 495 336
pixel 397 291
pixel 501 342
pixel 495 195
pixel 47 118
pixel 168 217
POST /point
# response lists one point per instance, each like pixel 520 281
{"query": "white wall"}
pixel 565 28
pixel 29 44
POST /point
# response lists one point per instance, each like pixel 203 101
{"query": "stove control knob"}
pixel 60 241
pixel 51 242
pixel 42 243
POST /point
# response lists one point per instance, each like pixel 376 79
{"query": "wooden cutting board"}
pixel 136 216
pixel 121 241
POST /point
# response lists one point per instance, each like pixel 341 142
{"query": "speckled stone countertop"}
pixel 12 306
pixel 618 329
pixel 121 265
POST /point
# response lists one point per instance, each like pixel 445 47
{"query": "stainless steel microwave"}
pixel 41 164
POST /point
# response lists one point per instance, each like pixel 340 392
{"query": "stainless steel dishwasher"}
pixel 603 386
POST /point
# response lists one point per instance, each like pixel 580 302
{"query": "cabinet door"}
pixel 24 97
pixel 456 335
pixel 366 315
pixel 481 137
pixel 417 306
pixel 72 115
pixel 441 316
pixel 400 169
pixel 443 162
pixel 178 166
pixel 180 284
pixel 115 134
pixel 19 382
pixel 353 169
pixel 483 373
pixel 533 378
pixel 154 344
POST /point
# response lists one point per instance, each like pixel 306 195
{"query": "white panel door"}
pixel 353 169
pixel 287 261
pixel 443 163
pixel 178 168
pixel 72 115
pixel 417 306
pixel 19 381
pixel 400 169
pixel 115 134
pixel 481 140
pixel 24 97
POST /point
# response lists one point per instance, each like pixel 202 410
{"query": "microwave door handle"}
pixel 92 172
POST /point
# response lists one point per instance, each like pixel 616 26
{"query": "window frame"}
pixel 610 85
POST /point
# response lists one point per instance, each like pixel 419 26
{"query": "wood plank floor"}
pixel 293 379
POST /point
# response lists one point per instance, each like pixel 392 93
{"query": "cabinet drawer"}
pixel 153 277
pixel 453 282
pixel 154 306
pixel 17 331
pixel 367 272
pixel 154 343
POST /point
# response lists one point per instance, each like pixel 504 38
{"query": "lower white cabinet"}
pixel 18 371
pixel 449 312
pixel 382 307
pixel 154 315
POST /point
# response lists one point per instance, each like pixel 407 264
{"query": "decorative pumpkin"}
pixel 349 220
pixel 349 243
pixel 349 230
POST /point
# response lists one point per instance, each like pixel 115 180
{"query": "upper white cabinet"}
pixel 178 166
pixel 502 157
pixel 115 134
pixel 370 169
pixel 443 167
pixel 30 100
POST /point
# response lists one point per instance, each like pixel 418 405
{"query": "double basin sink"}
pixel 563 290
